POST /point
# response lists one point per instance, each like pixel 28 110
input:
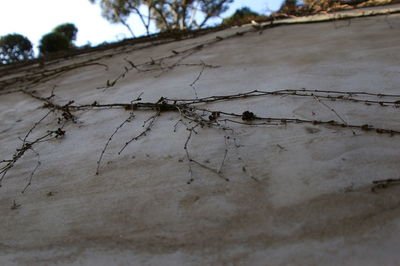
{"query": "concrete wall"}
pixel 293 186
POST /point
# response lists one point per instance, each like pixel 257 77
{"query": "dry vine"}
pixel 191 115
pixel 201 117
pixel 194 116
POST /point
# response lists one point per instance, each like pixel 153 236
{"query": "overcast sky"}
pixel 34 18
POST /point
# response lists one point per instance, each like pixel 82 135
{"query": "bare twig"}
pixel 331 109
pixel 384 183
pixel 189 159
pixel 326 94
pixel 109 140
pixel 225 154
pixel 28 146
pixel 151 121
pixel 210 169
pixel 65 109
pixel 35 125
pixel 203 66
pixel 48 74
pixel 245 168
pixel 197 79
pixel 33 171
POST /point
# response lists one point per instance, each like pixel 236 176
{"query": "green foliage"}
pixel 242 16
pixel 289 7
pixel 307 7
pixel 115 10
pixel 15 48
pixel 53 42
pixel 68 29
pixel 166 14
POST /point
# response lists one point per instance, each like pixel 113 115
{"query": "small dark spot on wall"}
pixel 312 130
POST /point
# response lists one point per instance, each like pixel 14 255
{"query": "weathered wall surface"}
pixel 289 185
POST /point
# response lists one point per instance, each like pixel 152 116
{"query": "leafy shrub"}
pixel 54 42
pixel 68 29
pixel 242 16
pixel 15 48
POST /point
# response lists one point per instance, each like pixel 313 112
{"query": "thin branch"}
pixel 152 120
pixel 19 153
pixel 203 66
pixel 131 116
pixel 384 183
pixel 189 159
pixel 225 154
pixel 210 169
pixel 141 17
pixel 331 109
pixel 35 125
pixel 34 170
pixel 128 27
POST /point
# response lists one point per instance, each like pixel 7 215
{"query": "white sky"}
pixel 34 18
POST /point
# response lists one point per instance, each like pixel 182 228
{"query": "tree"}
pixel 118 11
pixel 166 14
pixel 53 42
pixel 306 7
pixel 241 16
pixel 68 29
pixel 289 7
pixel 318 5
pixel 15 48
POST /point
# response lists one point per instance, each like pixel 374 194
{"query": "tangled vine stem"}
pixel 65 109
pixel 157 65
pixel 33 171
pixel 384 183
pixel 45 75
pixel 191 112
pixel 187 108
pixel 172 104
pixel 129 119
pixel 147 125
pixel 189 159
pixel 26 146
pixel 324 94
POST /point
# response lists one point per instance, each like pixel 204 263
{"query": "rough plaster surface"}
pixel 311 202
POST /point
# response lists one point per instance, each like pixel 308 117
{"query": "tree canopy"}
pixel 53 42
pixel 15 48
pixel 68 29
pixel 60 39
pixel 242 15
pixel 166 14
pixel 305 7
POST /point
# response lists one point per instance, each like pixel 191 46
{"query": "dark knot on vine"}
pixel 248 116
pixel 213 116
